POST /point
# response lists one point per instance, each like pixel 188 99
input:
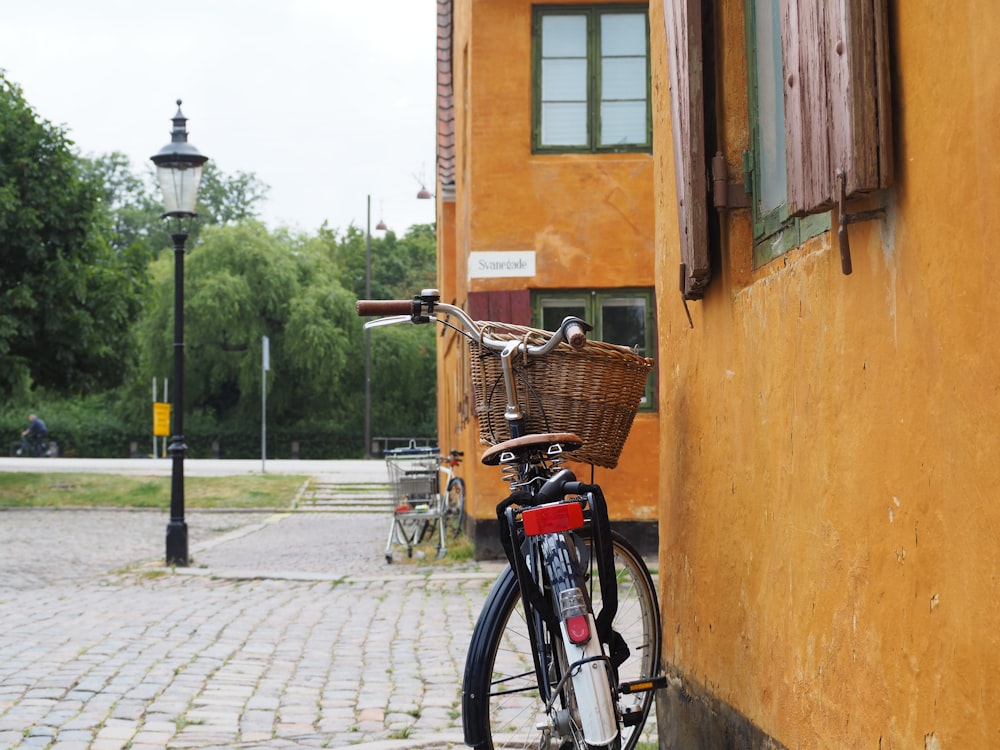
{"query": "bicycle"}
pixel 41 448
pixel 454 489
pixel 566 650
pixel 453 500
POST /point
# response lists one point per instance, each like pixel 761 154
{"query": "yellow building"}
pixel 829 442
pixel 545 209
pixel 823 181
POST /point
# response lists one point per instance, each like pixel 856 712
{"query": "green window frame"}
pixel 775 231
pixel 591 89
pixel 619 316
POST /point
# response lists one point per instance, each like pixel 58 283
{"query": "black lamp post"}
pixel 178 169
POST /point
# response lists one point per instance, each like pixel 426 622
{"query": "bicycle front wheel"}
pixel 502 707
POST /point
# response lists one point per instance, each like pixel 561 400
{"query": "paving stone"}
pixel 290 630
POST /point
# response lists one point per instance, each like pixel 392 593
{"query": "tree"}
pixel 133 206
pixel 67 299
pixel 228 199
pixel 244 282
pixel 404 381
pixel 130 204
pixel 403 357
pixel 401 267
pixel 404 266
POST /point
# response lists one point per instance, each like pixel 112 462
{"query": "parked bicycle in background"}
pixel 428 500
pixel 566 652
pixel 454 491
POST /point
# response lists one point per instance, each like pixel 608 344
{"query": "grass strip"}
pixel 29 490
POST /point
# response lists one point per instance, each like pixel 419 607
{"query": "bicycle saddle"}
pixel 518 446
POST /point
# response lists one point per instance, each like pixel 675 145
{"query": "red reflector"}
pixel 578 629
pixel 550 519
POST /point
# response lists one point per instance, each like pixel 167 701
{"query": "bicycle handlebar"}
pixel 576 335
pixel 366 307
pixel 423 308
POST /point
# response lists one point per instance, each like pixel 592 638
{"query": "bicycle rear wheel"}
pixel 455 512
pixel 501 705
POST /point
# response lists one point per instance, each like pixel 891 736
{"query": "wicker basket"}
pixel 593 392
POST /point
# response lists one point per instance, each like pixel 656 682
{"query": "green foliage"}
pixel 132 205
pixel 400 267
pixel 404 384
pixel 81 426
pixel 131 209
pixel 228 199
pixel 67 299
pixel 243 282
pixel 87 298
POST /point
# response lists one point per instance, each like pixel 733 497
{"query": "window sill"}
pixel 794 234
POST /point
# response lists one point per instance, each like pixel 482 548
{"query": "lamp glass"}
pixel 179 185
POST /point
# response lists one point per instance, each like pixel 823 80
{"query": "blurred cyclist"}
pixel 34 437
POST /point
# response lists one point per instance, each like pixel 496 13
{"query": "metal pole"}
pixel 166 399
pixel 263 420
pixel 177 533
pixel 368 339
pixel 265 365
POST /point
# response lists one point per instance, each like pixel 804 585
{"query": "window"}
pixel 820 118
pixel 591 79
pixel 775 232
pixel 619 316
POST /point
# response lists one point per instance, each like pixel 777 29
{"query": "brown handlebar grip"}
pixel 370 307
pixel 576 335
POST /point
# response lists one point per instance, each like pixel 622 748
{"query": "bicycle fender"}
pixel 587 663
pixel 592 689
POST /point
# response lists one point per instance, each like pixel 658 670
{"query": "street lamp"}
pixel 381 227
pixel 178 170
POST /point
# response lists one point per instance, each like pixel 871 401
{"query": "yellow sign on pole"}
pixel 161 419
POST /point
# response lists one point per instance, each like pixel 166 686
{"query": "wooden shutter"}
pixel 837 100
pixel 807 112
pixel 859 84
pixel 683 22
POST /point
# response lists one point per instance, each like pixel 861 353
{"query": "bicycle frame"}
pixel 594 520
pixel 446 466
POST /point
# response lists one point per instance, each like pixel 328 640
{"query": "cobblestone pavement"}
pixel 288 630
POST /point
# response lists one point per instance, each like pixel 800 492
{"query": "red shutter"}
pixel 503 307
pixel 682 19
pixel 837 101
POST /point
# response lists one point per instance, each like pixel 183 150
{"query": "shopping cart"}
pixel 417 503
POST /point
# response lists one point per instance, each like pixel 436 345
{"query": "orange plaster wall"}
pixel 829 445
pixel 588 218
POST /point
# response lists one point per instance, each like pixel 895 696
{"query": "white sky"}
pixel 326 101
